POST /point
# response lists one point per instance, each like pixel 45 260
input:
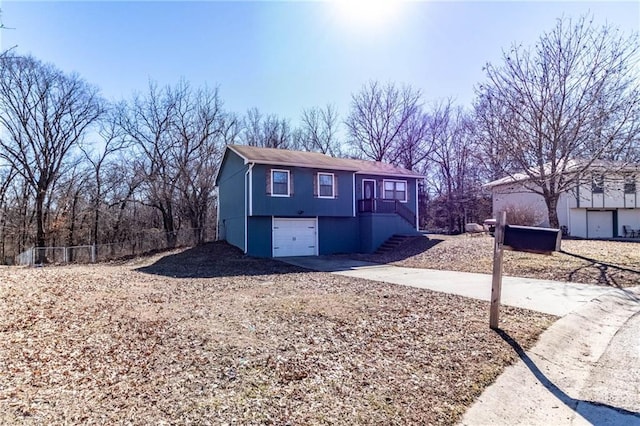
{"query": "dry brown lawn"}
pixel 610 263
pixel 207 336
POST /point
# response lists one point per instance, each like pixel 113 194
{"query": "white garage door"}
pixel 600 224
pixel 294 237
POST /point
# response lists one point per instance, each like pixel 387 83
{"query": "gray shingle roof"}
pixel 315 160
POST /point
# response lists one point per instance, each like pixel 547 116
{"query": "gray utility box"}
pixel 532 239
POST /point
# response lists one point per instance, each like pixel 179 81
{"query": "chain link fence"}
pixel 147 241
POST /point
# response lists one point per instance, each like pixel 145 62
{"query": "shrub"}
pixel 525 215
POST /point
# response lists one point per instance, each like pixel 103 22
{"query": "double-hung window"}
pixel 597 184
pixel 395 190
pixel 326 185
pixel 629 184
pixel 280 181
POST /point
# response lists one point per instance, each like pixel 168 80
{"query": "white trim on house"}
pixel 246 207
pixel 251 189
pixel 406 189
pixel 217 189
pixel 288 172
pixel 354 194
pixel 333 185
pixel 417 208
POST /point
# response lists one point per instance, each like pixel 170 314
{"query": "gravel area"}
pixel 208 336
pixel 610 263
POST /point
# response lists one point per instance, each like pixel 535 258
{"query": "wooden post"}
pixel 496 285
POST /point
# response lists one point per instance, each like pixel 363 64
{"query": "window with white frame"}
pixel 395 190
pixel 326 185
pixel 280 183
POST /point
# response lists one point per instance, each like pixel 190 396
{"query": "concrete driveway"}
pixel 551 297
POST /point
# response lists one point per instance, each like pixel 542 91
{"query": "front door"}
pixel 368 195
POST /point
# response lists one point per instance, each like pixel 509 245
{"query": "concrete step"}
pixel 392 243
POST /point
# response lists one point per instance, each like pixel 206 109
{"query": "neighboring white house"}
pixel 605 201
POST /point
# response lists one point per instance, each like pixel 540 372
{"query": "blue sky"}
pixel 282 57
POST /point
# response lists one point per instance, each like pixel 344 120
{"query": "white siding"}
pixel 612 197
pixel 505 196
pixel 578 223
pixel 574 206
pixel 628 217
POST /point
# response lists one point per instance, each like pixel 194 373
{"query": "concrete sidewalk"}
pixel 583 370
pixel 551 297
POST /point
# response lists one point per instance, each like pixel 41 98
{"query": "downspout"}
pixel 218 215
pixel 417 208
pixel 251 188
pixel 354 195
pixel 247 200
pixel 568 213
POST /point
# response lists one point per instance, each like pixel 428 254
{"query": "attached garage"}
pixel 599 224
pixel 295 237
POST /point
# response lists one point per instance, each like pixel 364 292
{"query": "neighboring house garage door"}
pixel 600 224
pixel 294 237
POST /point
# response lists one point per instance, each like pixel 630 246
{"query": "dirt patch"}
pixel 610 263
pixel 228 339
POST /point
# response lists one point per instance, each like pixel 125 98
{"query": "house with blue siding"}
pixel 275 202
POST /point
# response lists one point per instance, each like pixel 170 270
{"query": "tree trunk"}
pixel 3 231
pixel 72 226
pixel 169 226
pixel 552 207
pixel 40 236
pixel 96 218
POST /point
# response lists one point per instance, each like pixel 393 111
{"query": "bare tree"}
pixel 276 132
pixel 266 131
pixel 112 141
pixel 416 141
pixel 203 129
pixel 319 130
pixel 44 114
pixel 7 175
pixel 178 134
pixel 379 115
pixel 555 109
pixel 252 128
pixel 453 169
pixel 147 122
pixel 121 185
pixel 68 207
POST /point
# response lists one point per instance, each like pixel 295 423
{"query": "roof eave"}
pixel 388 174
pixel 307 166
